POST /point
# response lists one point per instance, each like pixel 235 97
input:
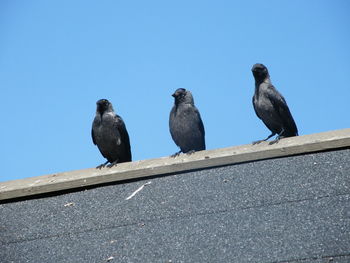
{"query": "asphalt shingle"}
pixel 291 209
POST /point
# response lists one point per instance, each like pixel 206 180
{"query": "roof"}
pixel 294 208
pixel 160 166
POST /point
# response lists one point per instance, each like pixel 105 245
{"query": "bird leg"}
pixel 101 165
pixel 112 164
pixel 175 154
pixel 268 137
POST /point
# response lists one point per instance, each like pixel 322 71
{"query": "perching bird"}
pixel 185 123
pixel 271 107
pixel 110 135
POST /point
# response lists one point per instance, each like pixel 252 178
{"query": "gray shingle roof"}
pixel 203 159
pixel 290 209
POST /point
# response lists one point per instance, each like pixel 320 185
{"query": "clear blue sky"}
pixel 57 58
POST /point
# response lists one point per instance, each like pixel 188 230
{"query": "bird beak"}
pixel 174 95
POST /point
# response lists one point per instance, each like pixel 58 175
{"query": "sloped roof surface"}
pixel 290 209
pixel 304 144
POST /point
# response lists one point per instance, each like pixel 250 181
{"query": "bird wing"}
pixel 200 122
pixel 201 128
pixel 281 107
pixel 124 136
pixel 256 112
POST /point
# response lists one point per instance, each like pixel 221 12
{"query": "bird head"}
pixel 260 72
pixel 103 105
pixel 183 96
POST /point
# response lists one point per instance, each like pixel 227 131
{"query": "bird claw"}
pixel 175 154
pixel 257 142
pixel 279 137
pixel 190 152
pixel 112 164
pixel 101 166
pixel 264 140
pixel 275 141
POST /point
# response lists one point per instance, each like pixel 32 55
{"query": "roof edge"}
pixel 165 165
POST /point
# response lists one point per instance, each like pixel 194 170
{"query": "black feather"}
pixel 271 107
pixel 110 134
pixel 185 123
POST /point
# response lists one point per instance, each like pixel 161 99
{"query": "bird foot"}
pixel 101 166
pixel 279 137
pixel 112 164
pixel 175 154
pixel 190 152
pixel 274 141
pixel 257 142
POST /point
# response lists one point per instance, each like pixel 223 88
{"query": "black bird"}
pixel 185 123
pixel 271 107
pixel 110 135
